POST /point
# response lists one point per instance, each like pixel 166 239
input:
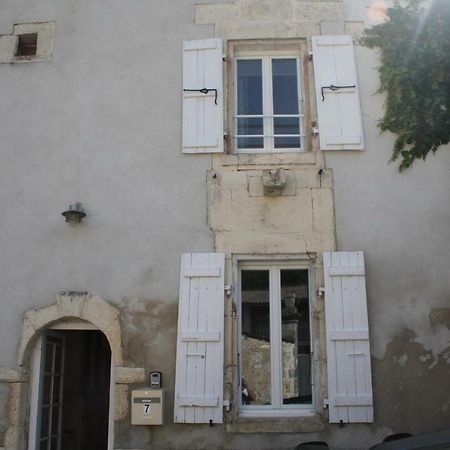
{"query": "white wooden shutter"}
pixel 348 350
pixel 339 110
pixel 202 117
pixel 199 370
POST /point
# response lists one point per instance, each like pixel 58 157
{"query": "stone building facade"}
pixel 93 111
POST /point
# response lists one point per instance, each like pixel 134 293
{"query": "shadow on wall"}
pixel 404 386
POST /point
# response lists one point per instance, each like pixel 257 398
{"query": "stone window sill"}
pixel 302 424
pixel 261 159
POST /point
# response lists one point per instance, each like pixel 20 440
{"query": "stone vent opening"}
pixel 27 45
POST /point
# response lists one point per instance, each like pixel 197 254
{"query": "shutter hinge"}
pixel 225 136
pixel 320 291
pixel 310 56
pixel 315 131
pixel 227 289
pixel 224 57
pixel 326 403
pixel 227 405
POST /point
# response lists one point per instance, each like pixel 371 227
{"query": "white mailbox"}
pixel 147 406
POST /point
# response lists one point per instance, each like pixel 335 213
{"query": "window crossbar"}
pixel 266 135
pixel 262 116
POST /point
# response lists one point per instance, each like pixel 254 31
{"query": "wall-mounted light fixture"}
pixel 74 214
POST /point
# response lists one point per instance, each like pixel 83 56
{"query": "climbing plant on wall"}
pixel 415 75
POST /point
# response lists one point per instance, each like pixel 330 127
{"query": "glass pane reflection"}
pixel 285 86
pixel 286 125
pixel 296 343
pixel 256 379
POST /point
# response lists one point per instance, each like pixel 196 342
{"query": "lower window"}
pixel 275 338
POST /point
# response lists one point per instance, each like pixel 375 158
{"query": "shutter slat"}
pixel 202 402
pixel 348 349
pixel 343 140
pixel 200 260
pixel 202 117
pixel 352 401
pixel 355 335
pixel 199 374
pixel 206 44
pixel 215 350
pixel 190 145
pixel 346 271
pixel 339 111
pixel 202 272
pixel 197 336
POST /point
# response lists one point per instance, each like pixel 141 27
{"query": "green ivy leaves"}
pixel 415 74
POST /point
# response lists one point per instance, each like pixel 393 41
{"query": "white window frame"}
pixel 267 87
pixel 276 408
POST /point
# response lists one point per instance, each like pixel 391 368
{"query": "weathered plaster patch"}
pixel 446 357
pixel 130 375
pixel 127 437
pixel 433 334
pixel 270 425
pixel 149 333
pixel 440 316
pixel 424 358
pixel 399 380
pixel 121 402
pixel 401 360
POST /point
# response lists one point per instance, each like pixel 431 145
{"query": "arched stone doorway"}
pixel 72 311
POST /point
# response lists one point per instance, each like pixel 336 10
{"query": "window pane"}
pixel 249 102
pixel 55 421
pixel 255 358
pixel 286 125
pixel 56 389
pixel 46 400
pixel 250 126
pixel 54 445
pixel 45 416
pixel 48 366
pixel 58 358
pixel 287 142
pixel 296 344
pixel 250 143
pixel 285 86
pixel 249 87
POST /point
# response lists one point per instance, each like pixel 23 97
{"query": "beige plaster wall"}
pixel 101 123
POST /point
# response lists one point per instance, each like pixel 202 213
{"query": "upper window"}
pixel 275 341
pixel 268 113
